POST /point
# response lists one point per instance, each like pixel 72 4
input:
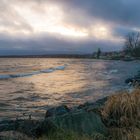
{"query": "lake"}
pixel 32 85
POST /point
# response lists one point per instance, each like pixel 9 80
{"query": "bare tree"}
pixel 132 44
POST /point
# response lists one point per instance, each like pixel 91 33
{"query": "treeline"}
pixel 50 56
pixel 132 44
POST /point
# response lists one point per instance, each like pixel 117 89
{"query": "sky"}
pixel 66 26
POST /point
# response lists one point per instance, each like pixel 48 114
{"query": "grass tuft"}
pixel 121 114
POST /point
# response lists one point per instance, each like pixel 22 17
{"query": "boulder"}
pixel 129 80
pixel 56 111
pixel 135 81
pixel 81 122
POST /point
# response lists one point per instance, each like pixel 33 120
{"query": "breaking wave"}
pixel 49 70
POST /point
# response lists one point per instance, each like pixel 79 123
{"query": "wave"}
pixel 50 70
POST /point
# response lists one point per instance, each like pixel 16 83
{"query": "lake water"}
pixel 32 85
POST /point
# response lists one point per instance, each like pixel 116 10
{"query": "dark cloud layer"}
pixel 49 44
pixel 122 12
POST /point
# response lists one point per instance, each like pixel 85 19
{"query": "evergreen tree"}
pixel 98 53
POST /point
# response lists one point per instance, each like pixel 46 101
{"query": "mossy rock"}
pixel 81 122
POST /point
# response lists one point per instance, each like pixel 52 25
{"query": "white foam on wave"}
pixel 8 76
pixel 108 77
pixel 113 71
pixel 61 67
pixel 108 74
pixel 21 75
pixel 47 71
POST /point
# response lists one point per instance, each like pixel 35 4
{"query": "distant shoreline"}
pixel 104 56
pixel 49 56
pixel 71 56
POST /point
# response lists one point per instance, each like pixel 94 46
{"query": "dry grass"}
pixel 121 114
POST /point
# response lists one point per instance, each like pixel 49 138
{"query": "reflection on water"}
pixel 73 82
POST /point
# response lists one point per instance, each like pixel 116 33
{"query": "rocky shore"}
pixel 105 119
pixel 79 119
pixel 134 81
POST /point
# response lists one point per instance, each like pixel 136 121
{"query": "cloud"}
pixel 38 26
pixel 10 20
pixel 124 12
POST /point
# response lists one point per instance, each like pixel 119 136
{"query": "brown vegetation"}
pixel 121 115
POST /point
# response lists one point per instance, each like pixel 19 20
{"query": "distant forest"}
pixel 50 56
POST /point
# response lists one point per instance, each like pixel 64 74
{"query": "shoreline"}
pixel 73 56
pixel 88 115
pixel 86 118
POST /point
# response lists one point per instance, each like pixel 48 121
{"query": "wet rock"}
pixel 81 122
pixel 101 101
pixel 85 105
pixel 129 80
pixel 96 104
pixel 56 111
pixel 135 81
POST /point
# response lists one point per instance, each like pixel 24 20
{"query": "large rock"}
pixel 135 81
pixel 129 80
pixel 81 121
pixel 56 111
